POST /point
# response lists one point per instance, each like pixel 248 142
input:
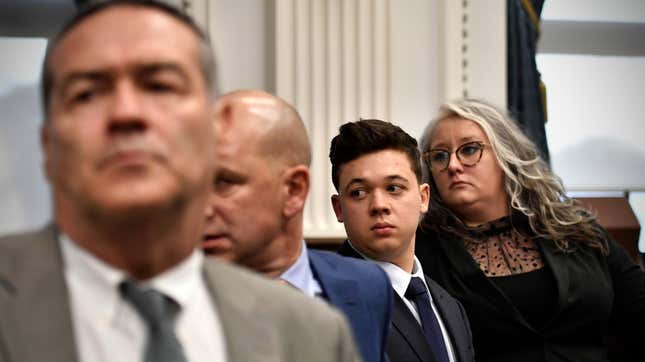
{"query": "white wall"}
pixel 593 64
pixel 23 191
pixel 426 53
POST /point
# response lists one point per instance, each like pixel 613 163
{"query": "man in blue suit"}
pixel 255 217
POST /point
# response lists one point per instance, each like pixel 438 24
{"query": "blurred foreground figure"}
pixel 256 215
pixel 118 276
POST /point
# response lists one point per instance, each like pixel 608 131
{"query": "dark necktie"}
pixel 158 311
pixel 418 294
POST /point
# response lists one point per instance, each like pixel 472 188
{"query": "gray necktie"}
pixel 158 311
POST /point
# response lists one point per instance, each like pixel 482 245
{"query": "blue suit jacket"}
pixel 362 291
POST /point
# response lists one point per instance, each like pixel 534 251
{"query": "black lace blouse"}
pixel 501 248
pixel 513 262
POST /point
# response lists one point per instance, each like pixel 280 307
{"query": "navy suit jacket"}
pixel 362 291
pixel 406 341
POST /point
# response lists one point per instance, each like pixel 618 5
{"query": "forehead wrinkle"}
pixel 116 46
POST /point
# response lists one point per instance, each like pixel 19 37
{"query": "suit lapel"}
pixel 403 322
pixel 236 309
pixel 448 310
pixel 338 290
pixel 36 321
pixel 557 263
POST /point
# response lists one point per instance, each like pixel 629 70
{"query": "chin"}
pixel 381 248
pixel 136 203
pixel 460 202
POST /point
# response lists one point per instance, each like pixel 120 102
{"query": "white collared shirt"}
pixel 400 279
pixel 107 328
pixel 301 276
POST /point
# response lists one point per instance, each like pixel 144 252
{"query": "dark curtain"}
pixel 526 93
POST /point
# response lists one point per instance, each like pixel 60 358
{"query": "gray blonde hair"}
pixel 533 190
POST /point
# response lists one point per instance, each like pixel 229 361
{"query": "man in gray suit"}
pixel 128 144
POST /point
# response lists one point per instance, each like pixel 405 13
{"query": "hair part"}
pixel 365 136
pixel 207 58
pixel 533 189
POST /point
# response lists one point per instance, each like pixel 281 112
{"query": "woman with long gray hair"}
pixel 539 278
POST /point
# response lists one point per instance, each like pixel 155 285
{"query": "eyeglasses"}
pixel 468 154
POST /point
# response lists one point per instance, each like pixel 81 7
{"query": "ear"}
pixel 335 204
pixel 424 190
pixel 297 186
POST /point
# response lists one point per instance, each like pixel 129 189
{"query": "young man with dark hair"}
pixel 376 171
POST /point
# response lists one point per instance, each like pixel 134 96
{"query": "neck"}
pixel 406 260
pixel 480 214
pixel 403 258
pixel 279 256
pixel 143 244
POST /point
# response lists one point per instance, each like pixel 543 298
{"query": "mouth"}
pixel 132 151
pixel 382 228
pixel 127 158
pixel 457 184
pixel 214 244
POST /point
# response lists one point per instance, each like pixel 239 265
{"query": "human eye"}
pixel 83 96
pixel 162 80
pixel 395 189
pixel 161 85
pixel 357 193
pixel 224 183
pixel 469 149
pixel 81 93
pixel 439 156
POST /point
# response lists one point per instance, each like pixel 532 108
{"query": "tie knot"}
pixel 415 288
pixel 154 307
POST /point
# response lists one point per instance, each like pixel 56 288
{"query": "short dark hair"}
pixel 356 139
pixel 207 59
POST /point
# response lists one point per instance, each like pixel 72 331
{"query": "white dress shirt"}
pixel 107 328
pixel 301 276
pixel 400 279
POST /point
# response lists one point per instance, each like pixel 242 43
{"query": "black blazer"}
pixel 406 342
pixel 597 295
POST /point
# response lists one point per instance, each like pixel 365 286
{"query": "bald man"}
pixel 255 216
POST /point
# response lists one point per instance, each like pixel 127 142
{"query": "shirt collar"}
pixel 180 282
pixel 399 278
pixel 300 274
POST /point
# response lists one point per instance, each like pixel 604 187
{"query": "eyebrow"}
pixel 107 73
pixel 149 69
pixel 78 76
pixel 461 141
pixel 390 178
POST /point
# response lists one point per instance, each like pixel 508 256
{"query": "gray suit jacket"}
pixel 262 321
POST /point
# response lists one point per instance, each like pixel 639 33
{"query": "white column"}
pixel 332 64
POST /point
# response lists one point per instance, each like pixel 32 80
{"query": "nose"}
pixel 379 203
pixel 126 110
pixel 209 212
pixel 454 165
